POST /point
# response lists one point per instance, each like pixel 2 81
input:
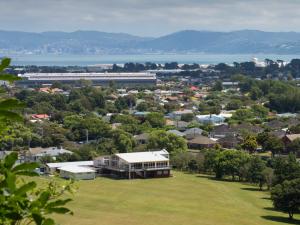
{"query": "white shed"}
pixel 54 167
pixel 77 173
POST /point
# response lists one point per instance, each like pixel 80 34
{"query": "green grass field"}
pixel 182 199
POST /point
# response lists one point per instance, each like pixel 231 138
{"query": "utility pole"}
pixel 29 141
pixel 42 131
pixel 87 135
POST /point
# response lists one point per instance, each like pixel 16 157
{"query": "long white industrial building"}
pixel 96 78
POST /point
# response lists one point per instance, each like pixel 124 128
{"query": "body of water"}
pixel 85 60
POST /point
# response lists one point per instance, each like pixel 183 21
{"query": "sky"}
pixel 149 17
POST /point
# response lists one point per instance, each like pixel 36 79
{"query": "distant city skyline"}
pixel 149 17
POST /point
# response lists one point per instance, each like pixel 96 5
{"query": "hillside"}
pixel 182 199
pixel 94 42
pixel 237 42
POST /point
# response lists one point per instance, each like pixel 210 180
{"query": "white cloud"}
pixel 149 17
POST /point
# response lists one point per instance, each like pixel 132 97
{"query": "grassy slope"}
pixel 183 199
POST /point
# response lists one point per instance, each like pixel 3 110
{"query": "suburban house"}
pixel 193 132
pixel 200 142
pixel 278 133
pixel 135 165
pixel 230 141
pixel 51 168
pixel 210 119
pixel 39 117
pixel 239 128
pixel 77 172
pixel 177 114
pixel 221 131
pixel 35 154
pixel 49 90
pixel 228 84
pixel 287 139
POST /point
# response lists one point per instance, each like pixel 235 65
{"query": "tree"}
pixel 160 139
pixel 16 137
pixel 250 143
pixel 218 86
pixel 129 123
pixel 255 93
pixel 234 104
pixel 273 144
pixel 171 66
pixel 286 197
pixel 123 141
pixel 262 137
pixel 188 117
pixel 181 160
pixel 294 146
pixel 125 102
pixel 229 162
pixel 268 174
pixel 143 106
pixel 260 111
pixel 155 119
pixel 242 114
pixel 81 126
pixel 286 169
pixel 210 157
pixel 295 129
pixel 256 171
pixel 21 201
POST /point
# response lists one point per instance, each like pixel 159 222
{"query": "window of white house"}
pixel 136 166
pixel 149 165
pixel 162 164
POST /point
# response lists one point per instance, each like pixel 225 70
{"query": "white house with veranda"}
pixel 135 165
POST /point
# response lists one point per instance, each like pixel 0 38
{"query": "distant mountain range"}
pixel 188 41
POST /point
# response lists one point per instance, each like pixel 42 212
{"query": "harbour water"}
pixel 85 60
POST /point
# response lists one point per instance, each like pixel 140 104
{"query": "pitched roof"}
pixel 181 112
pixel 278 133
pixel 292 137
pixel 63 164
pixel 194 130
pixel 275 124
pixel 181 124
pixel 223 128
pixel 138 157
pixel 176 132
pixel 246 126
pixel 202 140
pixel 76 169
pixel 230 138
pixel 40 116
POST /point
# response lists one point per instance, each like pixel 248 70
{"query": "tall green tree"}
pixel 286 197
pixel 160 139
pixel 155 119
pixel 256 171
pixel 250 143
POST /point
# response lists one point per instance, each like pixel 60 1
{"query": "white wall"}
pixel 77 176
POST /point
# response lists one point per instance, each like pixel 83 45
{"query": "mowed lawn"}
pixel 182 199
